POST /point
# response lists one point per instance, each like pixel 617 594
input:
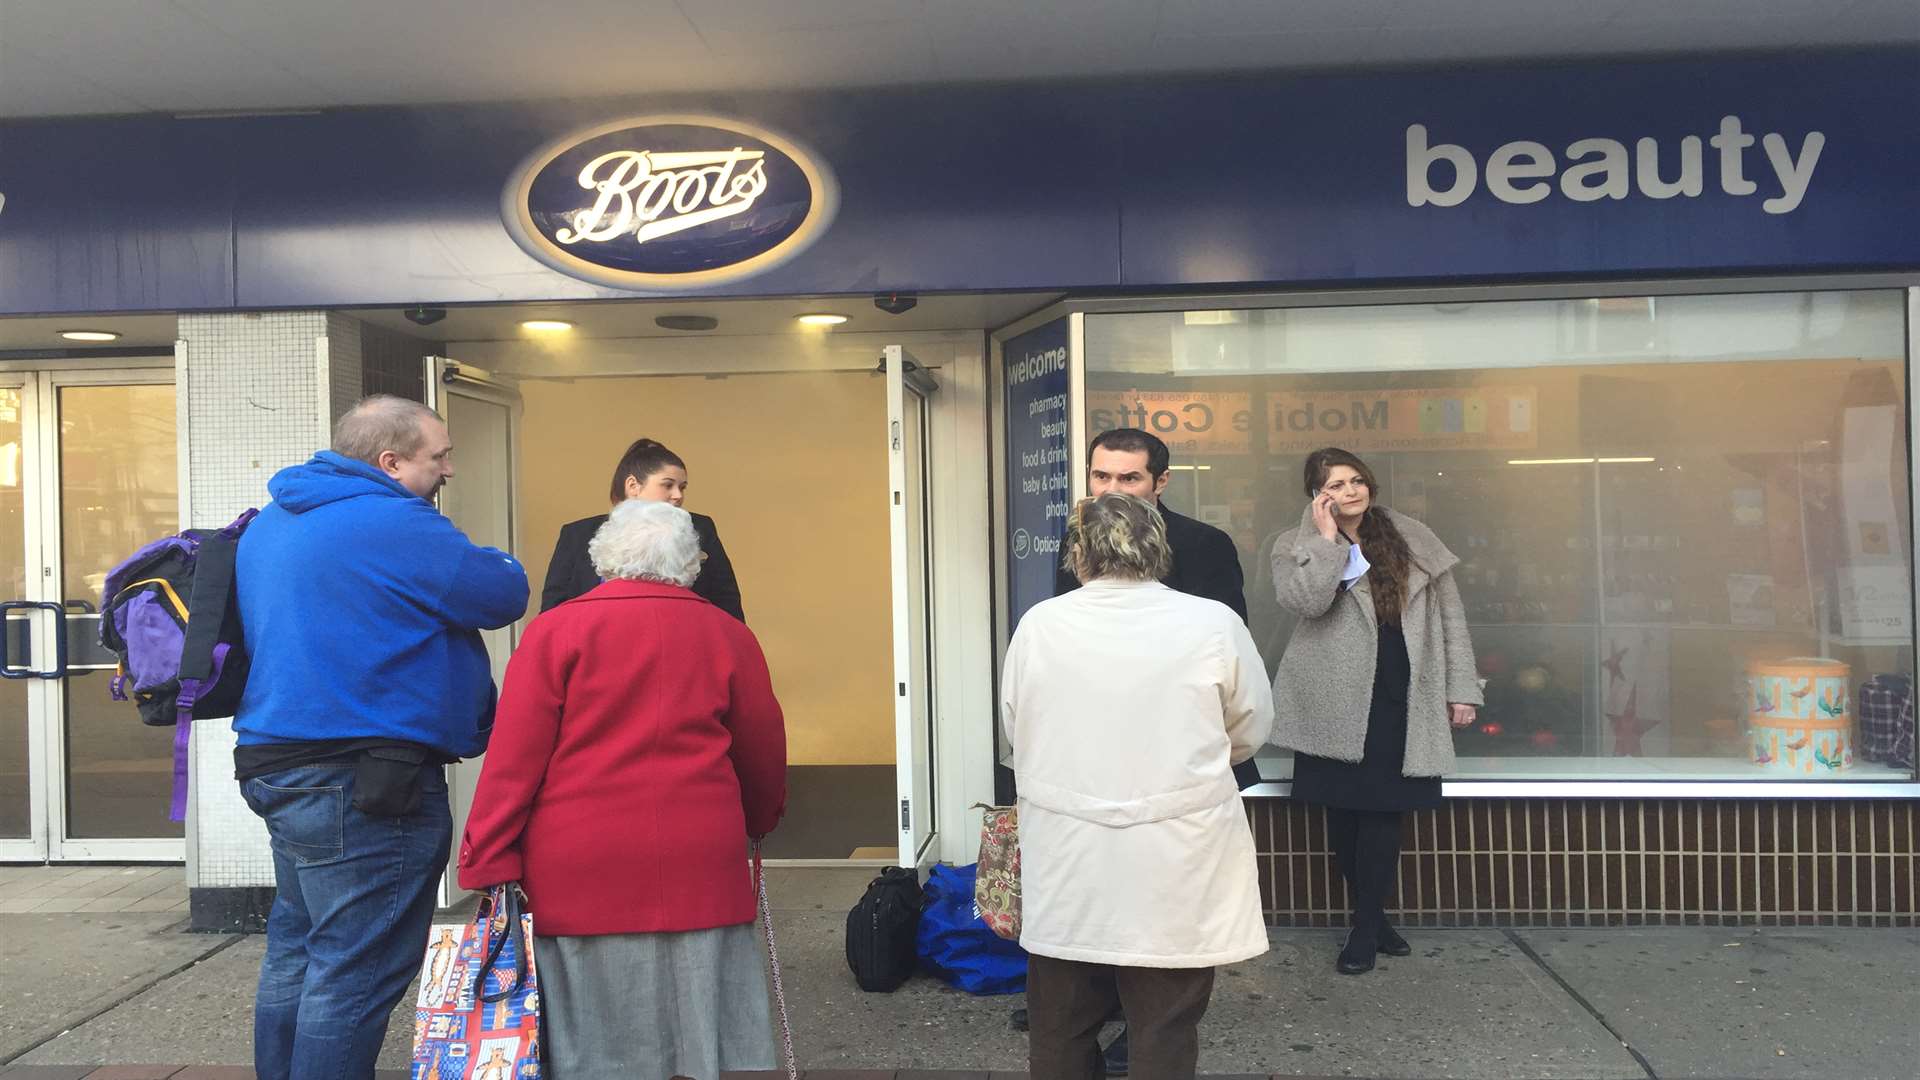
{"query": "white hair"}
pixel 645 540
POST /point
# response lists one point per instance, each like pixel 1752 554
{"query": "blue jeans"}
pixel 348 929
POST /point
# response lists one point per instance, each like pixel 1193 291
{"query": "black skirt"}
pixel 1376 781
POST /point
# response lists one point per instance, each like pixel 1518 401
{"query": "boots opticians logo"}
pixel 668 202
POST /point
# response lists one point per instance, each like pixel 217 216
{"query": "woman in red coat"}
pixel 637 747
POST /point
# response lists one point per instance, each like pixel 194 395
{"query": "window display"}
pixel 1684 523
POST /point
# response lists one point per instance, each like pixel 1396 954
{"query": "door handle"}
pixel 59 669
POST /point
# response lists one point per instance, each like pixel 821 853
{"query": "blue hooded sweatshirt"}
pixel 362 607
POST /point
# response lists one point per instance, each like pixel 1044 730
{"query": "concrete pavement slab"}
pixel 1467 1003
pixel 202 1016
pixel 1751 1003
pixel 60 969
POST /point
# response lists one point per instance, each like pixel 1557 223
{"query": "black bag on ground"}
pixel 881 929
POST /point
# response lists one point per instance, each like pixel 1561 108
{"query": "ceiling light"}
pixel 89 335
pixel 821 318
pixel 546 325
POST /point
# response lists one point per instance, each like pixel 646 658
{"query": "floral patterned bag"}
pixel 996 885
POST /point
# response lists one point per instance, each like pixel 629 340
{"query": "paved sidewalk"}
pixel 85 989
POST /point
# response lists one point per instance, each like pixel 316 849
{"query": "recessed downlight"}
pixel 821 318
pixel 89 335
pixel 546 326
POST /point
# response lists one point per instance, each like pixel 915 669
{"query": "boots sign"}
pixel 668 202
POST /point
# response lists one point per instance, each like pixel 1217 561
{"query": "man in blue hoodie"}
pixel 362 608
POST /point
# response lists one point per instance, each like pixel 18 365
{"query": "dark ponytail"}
pixel 644 458
pixel 1389 559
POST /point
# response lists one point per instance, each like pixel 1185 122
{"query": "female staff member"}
pixel 650 471
pixel 1127 704
pixel 1377 669
pixel 638 746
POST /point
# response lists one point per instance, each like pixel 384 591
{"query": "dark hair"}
pixel 644 458
pixel 1389 559
pixel 1134 441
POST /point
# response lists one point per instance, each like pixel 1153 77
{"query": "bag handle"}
pixel 502 898
pixel 773 962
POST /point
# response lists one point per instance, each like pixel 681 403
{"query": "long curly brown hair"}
pixel 1389 559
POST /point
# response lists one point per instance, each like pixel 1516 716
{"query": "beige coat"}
pixel 1127 704
pixel 1324 686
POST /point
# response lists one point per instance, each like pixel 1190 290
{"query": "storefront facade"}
pixel 1635 339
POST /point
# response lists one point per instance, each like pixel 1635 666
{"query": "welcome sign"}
pixel 668 202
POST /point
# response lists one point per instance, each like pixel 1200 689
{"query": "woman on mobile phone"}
pixel 1378 672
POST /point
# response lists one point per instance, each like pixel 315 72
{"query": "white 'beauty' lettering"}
pixel 1521 172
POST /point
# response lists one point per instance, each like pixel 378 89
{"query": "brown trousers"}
pixel 1067 1001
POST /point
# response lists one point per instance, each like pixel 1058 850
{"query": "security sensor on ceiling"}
pixel 895 303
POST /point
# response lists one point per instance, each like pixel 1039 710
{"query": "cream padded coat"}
pixel 1127 704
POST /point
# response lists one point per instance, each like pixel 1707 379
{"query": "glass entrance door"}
pixel 910 530
pixel 21 836
pixel 483 417
pixel 89 472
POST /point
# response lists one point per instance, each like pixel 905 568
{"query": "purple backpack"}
pixel 169 613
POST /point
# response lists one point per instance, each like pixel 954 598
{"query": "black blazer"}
pixel 1205 563
pixel 570 574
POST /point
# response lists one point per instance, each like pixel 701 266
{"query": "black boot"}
pixel 1390 941
pixel 1358 955
pixel 1116 1055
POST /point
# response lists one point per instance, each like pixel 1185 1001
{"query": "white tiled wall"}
pixel 344 363
pixel 259 399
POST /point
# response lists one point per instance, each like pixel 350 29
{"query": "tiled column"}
pixel 258 392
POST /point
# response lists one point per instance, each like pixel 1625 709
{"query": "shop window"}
pixel 1683 522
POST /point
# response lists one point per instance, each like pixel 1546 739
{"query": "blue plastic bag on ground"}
pixel 955 944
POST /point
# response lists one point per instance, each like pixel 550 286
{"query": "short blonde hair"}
pixel 1117 536
pixel 645 540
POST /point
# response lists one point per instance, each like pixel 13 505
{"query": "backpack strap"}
pixel 212 591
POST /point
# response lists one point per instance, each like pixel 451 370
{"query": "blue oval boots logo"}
pixel 668 202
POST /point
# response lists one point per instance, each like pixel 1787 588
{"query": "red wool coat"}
pixel 636 747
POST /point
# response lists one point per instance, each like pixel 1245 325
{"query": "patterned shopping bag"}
pixel 996 884
pixel 478 1014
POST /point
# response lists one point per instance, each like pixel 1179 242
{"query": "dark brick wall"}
pixel 1604 862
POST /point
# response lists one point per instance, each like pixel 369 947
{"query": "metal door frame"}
pixel 46 698
pixel 910 387
pixel 444 378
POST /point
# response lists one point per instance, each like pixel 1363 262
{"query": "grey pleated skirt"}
pixel 654 1006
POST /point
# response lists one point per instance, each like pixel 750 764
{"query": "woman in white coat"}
pixel 1127 705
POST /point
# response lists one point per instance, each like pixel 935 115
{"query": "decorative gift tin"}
pixel 1800 718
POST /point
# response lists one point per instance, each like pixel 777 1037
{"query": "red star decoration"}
pixel 1613 663
pixel 1629 725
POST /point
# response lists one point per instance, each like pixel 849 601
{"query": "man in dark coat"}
pixel 1205 564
